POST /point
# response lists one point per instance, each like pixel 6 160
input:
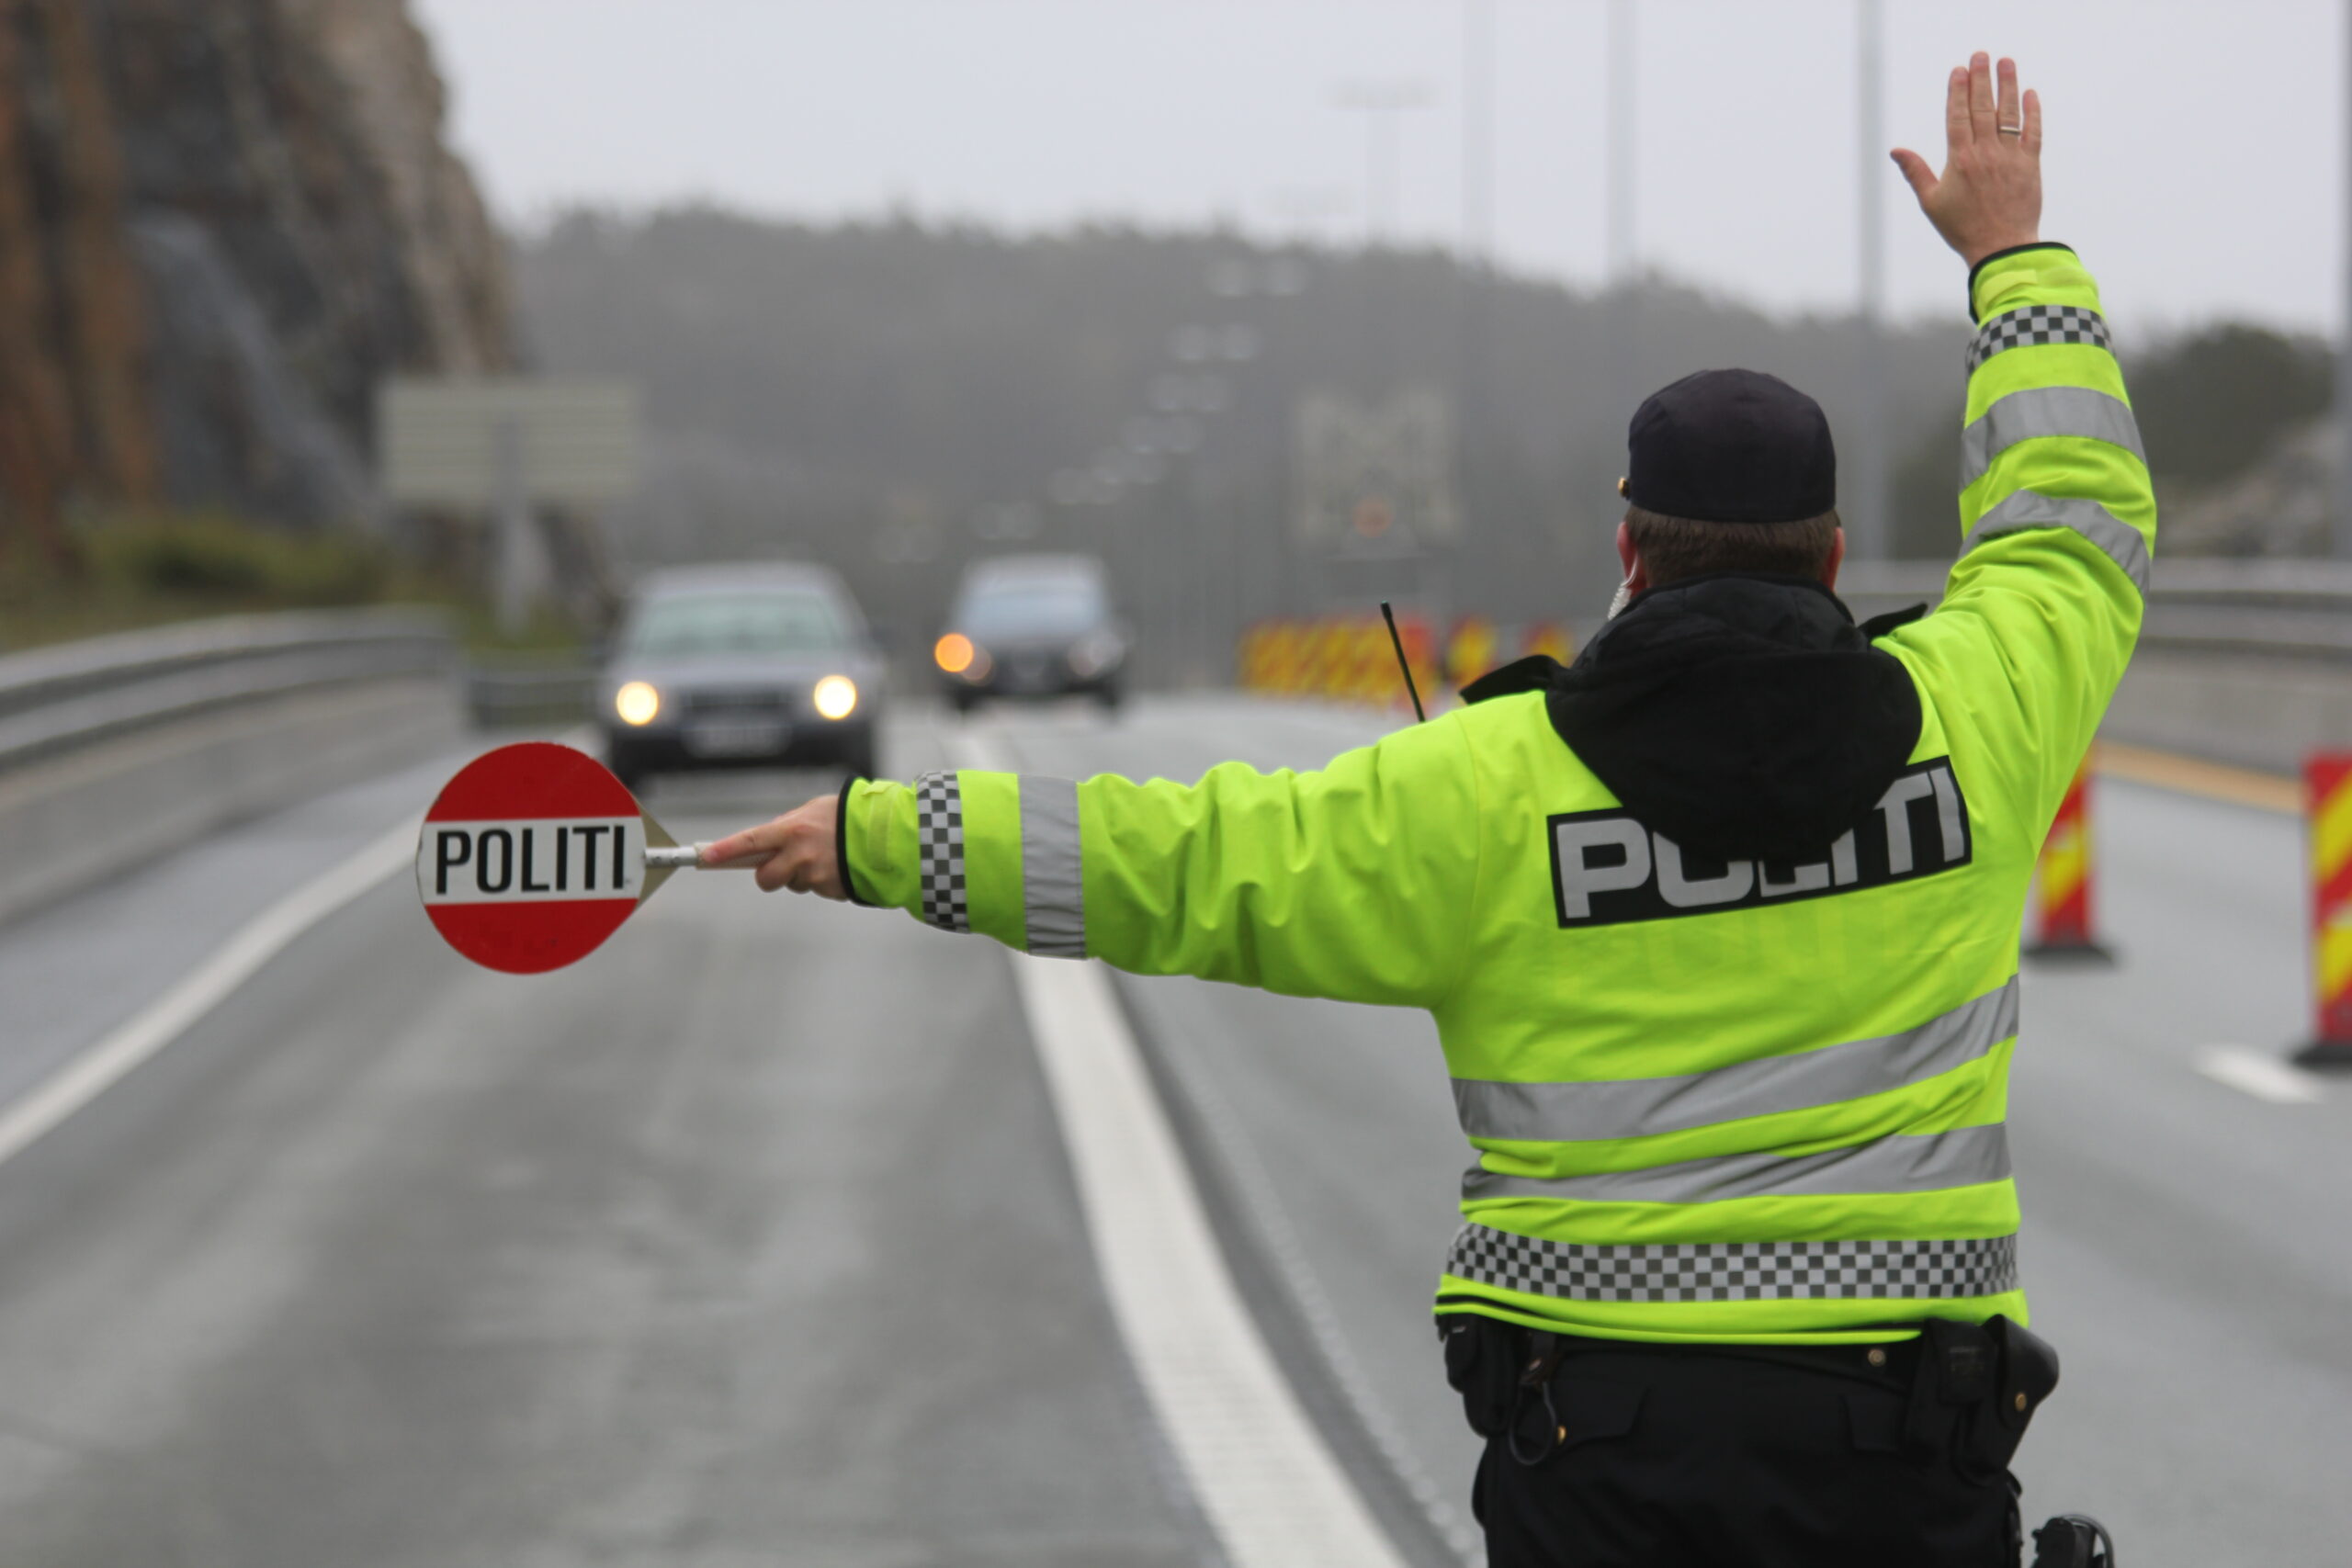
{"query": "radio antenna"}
pixel 1402 664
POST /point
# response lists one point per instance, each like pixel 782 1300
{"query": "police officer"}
pixel 1719 927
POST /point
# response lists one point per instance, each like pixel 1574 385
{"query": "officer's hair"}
pixel 1676 547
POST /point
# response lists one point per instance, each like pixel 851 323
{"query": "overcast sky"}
pixel 2195 150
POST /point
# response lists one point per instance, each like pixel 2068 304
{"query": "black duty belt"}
pixel 1973 1386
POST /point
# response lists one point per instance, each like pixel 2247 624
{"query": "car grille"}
pixel 711 704
pixel 1031 671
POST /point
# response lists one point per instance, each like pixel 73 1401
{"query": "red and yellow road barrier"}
pixel 2063 897
pixel 1470 650
pixel 1546 636
pixel 1419 640
pixel 1342 658
pixel 2063 920
pixel 1349 658
pixel 2327 796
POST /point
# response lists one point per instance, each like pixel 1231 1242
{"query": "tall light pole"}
pixel 1621 141
pixel 1869 530
pixel 1475 275
pixel 1477 133
pixel 1381 104
pixel 1622 301
pixel 2340 536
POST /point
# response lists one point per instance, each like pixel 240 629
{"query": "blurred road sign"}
pixel 501 445
pixel 1374 478
pixel 534 855
pixel 461 442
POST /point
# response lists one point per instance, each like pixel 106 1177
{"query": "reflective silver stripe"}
pixel 1051 889
pixel 2038 411
pixel 939 852
pixel 1737 1270
pixel 2030 509
pixel 1633 1107
pixel 1902 1162
pixel 1951 822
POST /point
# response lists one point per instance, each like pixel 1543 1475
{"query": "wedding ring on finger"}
pixel 2010 130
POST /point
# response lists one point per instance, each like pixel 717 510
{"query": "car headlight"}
pixel 637 703
pixel 1095 652
pixel 835 697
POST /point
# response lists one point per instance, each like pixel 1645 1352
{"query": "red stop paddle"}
pixel 535 853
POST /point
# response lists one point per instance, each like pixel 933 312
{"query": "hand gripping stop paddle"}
pixel 535 853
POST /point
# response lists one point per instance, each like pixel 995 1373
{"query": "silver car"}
pixel 756 665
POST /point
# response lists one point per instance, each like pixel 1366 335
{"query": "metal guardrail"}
pixel 2274 609
pixel 54 699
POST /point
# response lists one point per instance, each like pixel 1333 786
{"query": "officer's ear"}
pixel 1828 568
pixel 1637 576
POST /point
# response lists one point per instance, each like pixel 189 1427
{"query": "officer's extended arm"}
pixel 1349 882
pixel 2057 515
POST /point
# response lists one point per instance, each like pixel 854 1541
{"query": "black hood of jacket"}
pixel 1745 717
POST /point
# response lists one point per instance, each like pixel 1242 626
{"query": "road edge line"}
pixel 1258 1236
pixel 2260 1076
pixel 1273 1491
pixel 2196 776
pixel 98 1067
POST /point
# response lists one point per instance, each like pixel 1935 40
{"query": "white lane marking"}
pixel 1287 1256
pixel 1271 1488
pixel 2261 1074
pixel 100 1066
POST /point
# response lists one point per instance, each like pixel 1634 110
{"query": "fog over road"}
pixel 751 1239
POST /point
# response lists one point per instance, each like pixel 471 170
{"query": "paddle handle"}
pixel 687 857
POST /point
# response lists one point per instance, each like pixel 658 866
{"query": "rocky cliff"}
pixel 221 222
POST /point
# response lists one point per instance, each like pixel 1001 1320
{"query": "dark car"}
pixel 740 666
pixel 1033 626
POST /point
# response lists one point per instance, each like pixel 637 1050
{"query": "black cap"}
pixel 1731 446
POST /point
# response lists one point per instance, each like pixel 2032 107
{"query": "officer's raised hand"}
pixel 1989 199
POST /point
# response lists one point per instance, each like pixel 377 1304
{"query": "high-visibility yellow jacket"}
pixel 1717 1101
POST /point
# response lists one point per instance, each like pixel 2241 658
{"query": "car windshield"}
pixel 1060 608
pixel 688 623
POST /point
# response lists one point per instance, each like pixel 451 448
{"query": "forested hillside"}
pixel 878 395
pixel 893 397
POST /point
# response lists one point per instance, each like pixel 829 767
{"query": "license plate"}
pixel 735 738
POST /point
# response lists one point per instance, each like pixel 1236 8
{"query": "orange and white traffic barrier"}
pixel 2327 806
pixel 2062 916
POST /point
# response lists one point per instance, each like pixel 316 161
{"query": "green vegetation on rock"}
pixel 122 573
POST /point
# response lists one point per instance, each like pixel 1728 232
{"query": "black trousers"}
pixel 1673 1458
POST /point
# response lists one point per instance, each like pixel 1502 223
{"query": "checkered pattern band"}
pixel 1737 1270
pixel 2030 324
pixel 939 850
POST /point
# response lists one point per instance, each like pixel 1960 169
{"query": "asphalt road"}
pixel 751 1240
